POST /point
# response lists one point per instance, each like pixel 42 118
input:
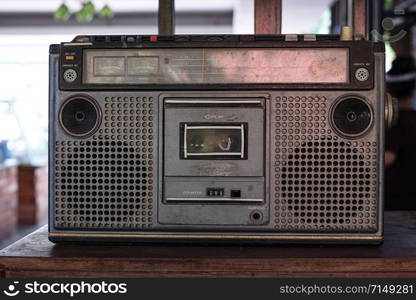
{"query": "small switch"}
pixel 130 39
pixel 291 37
pixel 309 37
pixel 215 192
pixel 235 194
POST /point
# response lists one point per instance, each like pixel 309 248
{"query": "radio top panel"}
pixel 216 62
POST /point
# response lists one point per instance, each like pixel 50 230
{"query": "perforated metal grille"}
pixel 320 181
pixel 108 181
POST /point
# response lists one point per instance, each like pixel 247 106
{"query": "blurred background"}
pixel 28 27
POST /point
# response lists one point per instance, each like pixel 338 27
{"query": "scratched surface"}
pixel 209 65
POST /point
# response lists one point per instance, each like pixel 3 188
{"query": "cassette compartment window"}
pixel 213 141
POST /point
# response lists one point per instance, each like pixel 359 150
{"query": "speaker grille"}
pixel 320 182
pixel 108 181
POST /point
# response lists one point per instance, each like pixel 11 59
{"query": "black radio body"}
pixel 241 138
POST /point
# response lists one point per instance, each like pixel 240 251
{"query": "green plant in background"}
pixel 388 4
pixel 106 12
pixel 62 13
pixel 85 14
pixel 323 25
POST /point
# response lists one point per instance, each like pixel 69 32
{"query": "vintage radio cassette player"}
pixel 241 138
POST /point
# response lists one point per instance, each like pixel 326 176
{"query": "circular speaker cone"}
pixel 352 116
pixel 80 116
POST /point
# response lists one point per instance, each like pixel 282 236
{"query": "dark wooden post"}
pixel 166 17
pixel 268 16
pixel 359 19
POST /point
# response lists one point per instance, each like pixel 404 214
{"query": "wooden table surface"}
pixel 35 256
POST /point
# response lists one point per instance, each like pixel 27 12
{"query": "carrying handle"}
pixel 268 18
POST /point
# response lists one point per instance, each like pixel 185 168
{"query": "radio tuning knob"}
pixel 346 33
pixel 391 111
